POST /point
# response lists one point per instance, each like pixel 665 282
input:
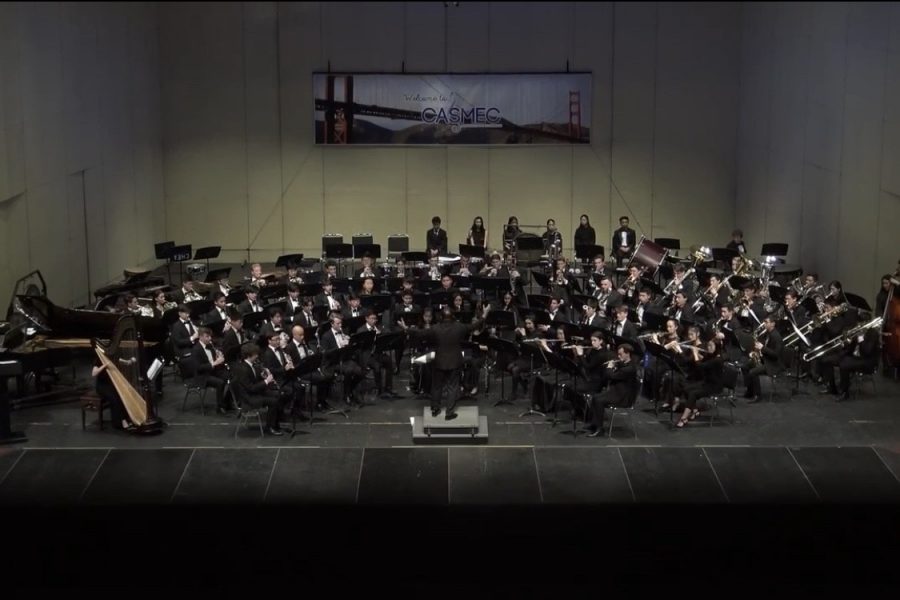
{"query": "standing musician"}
pixel 379 362
pixel 186 293
pixel 882 296
pixel 552 239
pixel 622 387
pixel 298 349
pixel 251 303
pixel 510 234
pixel 436 238
pixel 623 241
pixel 765 359
pixel 477 235
pixel 328 298
pixel 252 388
pixel 334 339
pixel 585 234
pixel 209 367
pixel 737 242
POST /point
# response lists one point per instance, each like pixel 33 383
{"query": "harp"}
pixel 125 359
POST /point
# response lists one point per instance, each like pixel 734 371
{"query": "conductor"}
pixel 446 338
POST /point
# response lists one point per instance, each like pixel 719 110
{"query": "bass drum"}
pixel 648 256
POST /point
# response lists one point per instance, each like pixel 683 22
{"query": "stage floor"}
pixel 797 449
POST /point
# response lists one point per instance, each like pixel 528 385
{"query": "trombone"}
pixel 839 341
pixel 816 322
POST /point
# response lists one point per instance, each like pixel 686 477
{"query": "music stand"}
pixel 774 249
pixel 289 259
pixel 179 254
pixel 252 321
pixel 587 252
pixel 566 365
pixel 339 356
pixel 378 303
pixel 214 276
pixel 162 251
pixel 306 366
pixel 207 253
pixel 338 250
pixel 471 251
pixel 398 243
pixel 491 284
pixel 373 250
pixel 724 256
pixel 414 257
pixel 501 345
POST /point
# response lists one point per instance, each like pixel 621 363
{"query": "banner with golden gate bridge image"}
pixel 472 109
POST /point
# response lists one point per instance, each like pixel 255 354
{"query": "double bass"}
pixel 891 330
pixel 125 360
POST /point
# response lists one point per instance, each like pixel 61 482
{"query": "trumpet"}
pixel 839 341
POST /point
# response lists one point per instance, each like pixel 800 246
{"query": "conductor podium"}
pixel 467 428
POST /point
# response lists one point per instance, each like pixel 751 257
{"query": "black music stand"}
pixel 179 254
pixel 501 345
pixel 163 251
pixel 339 356
pixel 373 250
pixel 310 364
pixel 207 253
pixel 414 257
pixel 724 256
pixel 669 243
pixel 287 260
pixel 529 244
pixel 214 276
pixel 587 252
pixel 533 349
pixel 561 363
pixel 471 251
pixel 491 284
pixel 441 298
pixel 199 308
pixel 774 249
pixel 339 251
pixel 379 303
pixel 427 285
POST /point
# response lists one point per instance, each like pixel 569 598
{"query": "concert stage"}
pixel 788 487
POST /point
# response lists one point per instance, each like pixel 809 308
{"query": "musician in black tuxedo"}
pixel 305 317
pixel 209 367
pixel 495 268
pixel 234 338
pixel 860 354
pixel 368 269
pixel 251 303
pixel 275 325
pixel 183 332
pixel 447 338
pixel 770 351
pixel 731 350
pixel 646 305
pixel 436 237
pixel 279 364
pixel 187 292
pixel 252 390
pixel 622 387
pixel 794 312
pixel 219 311
pixel 294 302
pixel 334 339
pixel 410 314
pixel 379 362
pixel 607 297
pixel 592 318
pixel 623 240
pixel 353 308
pixel 624 328
pixel 682 311
pixel 299 349
pixel 328 297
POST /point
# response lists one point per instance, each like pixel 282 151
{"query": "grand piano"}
pixel 44 337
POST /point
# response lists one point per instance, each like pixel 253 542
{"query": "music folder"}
pixel 471 251
pixel 217 274
pixel 588 252
pixel 288 260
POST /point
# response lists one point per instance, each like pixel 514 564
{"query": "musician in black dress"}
pixel 511 233
pixel 436 238
pixel 585 234
pixel 622 387
pixel 552 239
pixel 477 235
pixel 107 391
pixel 708 374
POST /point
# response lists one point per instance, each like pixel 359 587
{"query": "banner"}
pixel 539 108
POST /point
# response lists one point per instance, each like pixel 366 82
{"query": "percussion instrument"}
pixel 648 255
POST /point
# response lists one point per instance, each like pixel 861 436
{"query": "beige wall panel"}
pixel 364 191
pixel 426 197
pixel 534 184
pixel 424 40
pixel 531 36
pixel 48 236
pixel 468 37
pixel 304 213
pixel 590 193
pixel 468 191
pixel 363 36
pixel 593 52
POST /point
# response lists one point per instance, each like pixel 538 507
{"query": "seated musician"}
pixel 507 303
pixel 234 337
pixel 368 287
pixel 379 362
pixel 623 241
pixel 521 366
pixel 592 364
pixel 557 313
pixel 607 297
pixel 353 308
pixel 223 286
pixel 328 298
pixel 293 275
pixel 447 284
pixel 708 375
pixel 368 268
pixel 628 289
pixel 251 303
pixel 645 305
pixel 330 271
pixel 751 309
pixel 107 391
pixel 334 339
pixel 458 304
pixel 409 314
pixel 859 354
pixel 433 272
pixel 186 293
pixel 717 293
pixel 275 325
pixel 305 316
pixel 421 375
pixel 495 268
pixel 658 377
pixel 621 389
pixel 132 305
pixel 256 275
pixel 294 302
pixel 252 389
pixel 219 311
pixel 400 270
pixel 161 304
pixel 623 327
pixel 731 350
pixel 591 316
pixel 737 242
pixel 765 361
pixel 279 363
pixel 597 272
pixel 299 349
pixel 681 310
pixel 682 282
pixel 463 268
pixel 794 312
pixel 209 368
pixel 183 332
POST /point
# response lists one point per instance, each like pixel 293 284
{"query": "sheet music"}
pixel 154 369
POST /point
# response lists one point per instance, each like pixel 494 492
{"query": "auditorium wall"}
pixel 242 171
pixel 819 142
pixel 81 180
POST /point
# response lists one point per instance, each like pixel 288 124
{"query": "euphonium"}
pixel 839 341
